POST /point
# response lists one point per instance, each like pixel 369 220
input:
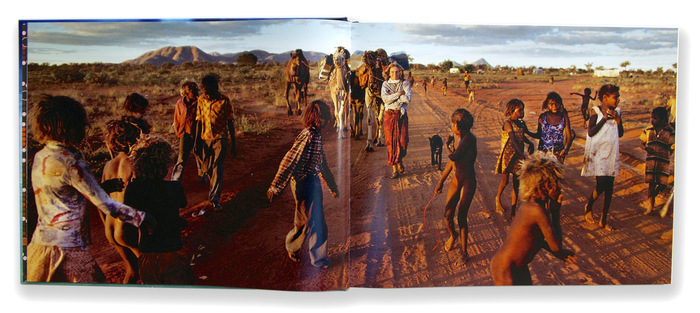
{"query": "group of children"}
pixel 537 175
pixel 138 205
pixel 142 215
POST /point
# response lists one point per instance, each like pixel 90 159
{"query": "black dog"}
pixel 436 151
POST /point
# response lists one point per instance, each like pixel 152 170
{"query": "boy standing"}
pixel 215 115
pixel 463 185
pixel 184 125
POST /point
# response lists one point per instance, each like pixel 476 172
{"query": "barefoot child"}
pixel 159 259
pixel 585 99
pixel 121 135
pixel 463 185
pixel 306 166
pixel 512 151
pixel 532 229
pixel 601 156
pixel 62 182
pixel 658 140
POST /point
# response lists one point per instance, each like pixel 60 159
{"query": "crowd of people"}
pixel 140 206
pixel 536 176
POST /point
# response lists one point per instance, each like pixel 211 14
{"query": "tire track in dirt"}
pixel 401 254
pixel 378 239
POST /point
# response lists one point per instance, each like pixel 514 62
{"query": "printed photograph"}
pixel 319 154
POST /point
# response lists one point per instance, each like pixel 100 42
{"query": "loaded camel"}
pixel 372 76
pixel 340 89
pixel 297 75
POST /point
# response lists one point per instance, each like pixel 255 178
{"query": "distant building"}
pixel 606 73
pixel 454 70
pixel 537 71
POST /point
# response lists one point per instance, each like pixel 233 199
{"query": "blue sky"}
pixel 112 41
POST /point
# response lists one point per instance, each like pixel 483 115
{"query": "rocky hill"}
pixel 482 61
pixel 179 55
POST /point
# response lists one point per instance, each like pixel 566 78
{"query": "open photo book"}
pixel 326 154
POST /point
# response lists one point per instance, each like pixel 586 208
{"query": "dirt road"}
pixel 390 246
pixel 377 237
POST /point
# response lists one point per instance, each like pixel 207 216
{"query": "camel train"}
pixel 357 92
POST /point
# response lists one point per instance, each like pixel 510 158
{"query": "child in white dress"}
pixel 601 157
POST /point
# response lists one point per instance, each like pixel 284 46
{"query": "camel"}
pixel 297 76
pixel 372 77
pixel 340 89
pixel 357 97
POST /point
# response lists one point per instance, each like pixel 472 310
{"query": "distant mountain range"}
pixel 478 62
pixel 179 55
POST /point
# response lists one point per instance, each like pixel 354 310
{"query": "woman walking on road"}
pixel 396 94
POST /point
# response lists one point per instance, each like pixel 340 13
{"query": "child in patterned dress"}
pixel 553 128
pixel 512 151
pixel 659 141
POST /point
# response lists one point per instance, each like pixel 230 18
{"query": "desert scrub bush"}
pixel 279 100
pixel 252 124
pixel 151 79
pixel 160 126
pixel 486 85
pixel 67 75
pixel 159 109
pixel 101 78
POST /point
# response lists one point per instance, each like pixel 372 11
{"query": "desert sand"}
pixel 377 234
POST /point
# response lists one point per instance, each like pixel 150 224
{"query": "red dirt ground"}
pixel 376 233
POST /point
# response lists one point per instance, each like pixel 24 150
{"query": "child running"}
pixel 62 182
pixel 159 260
pixel 512 151
pixel 601 157
pixel 305 165
pixel 463 185
pixel 532 229
pixel 585 99
pixel 659 141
